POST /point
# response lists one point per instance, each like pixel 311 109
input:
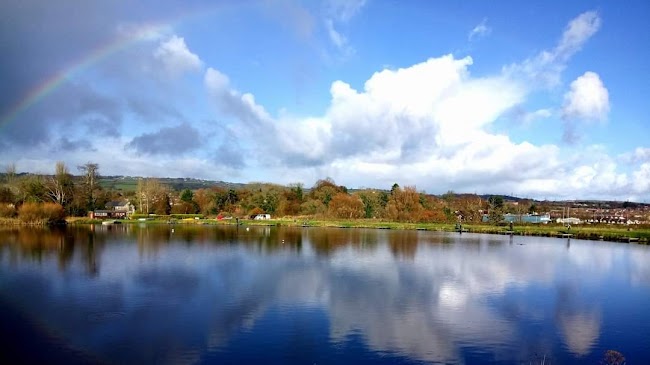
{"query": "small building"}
pixel 523 218
pixel 114 210
pixel 262 217
pixel 108 214
pixel 121 206
pixel 569 220
pixel 527 218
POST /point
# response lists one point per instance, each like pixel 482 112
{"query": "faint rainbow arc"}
pixel 50 84
pixel 116 44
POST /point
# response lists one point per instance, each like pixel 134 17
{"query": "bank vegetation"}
pixel 49 199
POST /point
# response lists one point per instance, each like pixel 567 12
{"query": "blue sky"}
pixel 538 99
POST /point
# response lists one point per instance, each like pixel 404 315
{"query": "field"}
pixel 130 184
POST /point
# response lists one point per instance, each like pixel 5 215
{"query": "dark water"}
pixel 221 295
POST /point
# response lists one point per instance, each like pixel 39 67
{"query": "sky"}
pixel 539 99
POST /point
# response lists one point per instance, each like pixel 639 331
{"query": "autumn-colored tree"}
pixel 470 207
pixel 434 209
pixel 313 207
pixel 404 205
pixel 255 211
pixel 204 198
pixel 345 206
pixel 324 191
pixel 293 198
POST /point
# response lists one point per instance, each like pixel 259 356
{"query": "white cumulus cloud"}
pixel 432 124
pixel 176 57
pixel 587 99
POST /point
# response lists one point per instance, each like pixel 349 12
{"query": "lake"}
pixel 142 294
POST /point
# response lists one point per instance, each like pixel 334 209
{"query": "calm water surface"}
pixel 217 295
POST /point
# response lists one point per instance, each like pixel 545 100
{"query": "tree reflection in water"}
pixel 189 291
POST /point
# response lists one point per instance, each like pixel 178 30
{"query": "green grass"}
pixel 608 233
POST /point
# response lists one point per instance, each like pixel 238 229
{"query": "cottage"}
pixel 121 206
pixel 107 214
pixel 114 210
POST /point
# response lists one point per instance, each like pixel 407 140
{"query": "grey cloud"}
pixel 168 141
pixel 67 145
pixel 230 153
pixel 39 41
pixel 569 135
pixel 64 112
pixel 152 111
pixel 300 160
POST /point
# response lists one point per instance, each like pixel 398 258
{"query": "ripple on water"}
pixel 104 316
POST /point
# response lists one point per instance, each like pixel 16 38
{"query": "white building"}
pixel 569 220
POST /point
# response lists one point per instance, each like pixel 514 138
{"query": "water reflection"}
pixel 187 294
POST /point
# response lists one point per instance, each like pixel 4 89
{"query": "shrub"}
pixel 7 210
pixel 53 212
pixel 41 213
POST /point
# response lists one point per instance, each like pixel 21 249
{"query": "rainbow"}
pixel 122 41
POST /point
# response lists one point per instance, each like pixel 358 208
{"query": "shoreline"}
pixel 640 235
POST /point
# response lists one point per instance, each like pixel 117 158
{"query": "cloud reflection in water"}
pixel 421 295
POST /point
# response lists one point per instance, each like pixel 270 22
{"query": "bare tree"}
pixel 59 187
pixel 153 196
pixel 10 173
pixel 90 175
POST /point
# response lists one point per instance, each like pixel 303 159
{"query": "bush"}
pixel 53 212
pixel 7 210
pixel 41 213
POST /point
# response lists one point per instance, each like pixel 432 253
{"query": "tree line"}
pixel 53 197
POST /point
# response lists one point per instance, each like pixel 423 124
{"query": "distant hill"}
pixel 130 183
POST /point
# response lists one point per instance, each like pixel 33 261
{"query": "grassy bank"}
pixel 607 233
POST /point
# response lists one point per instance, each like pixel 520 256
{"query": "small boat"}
pixel 108 223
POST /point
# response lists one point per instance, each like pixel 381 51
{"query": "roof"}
pixel 117 203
